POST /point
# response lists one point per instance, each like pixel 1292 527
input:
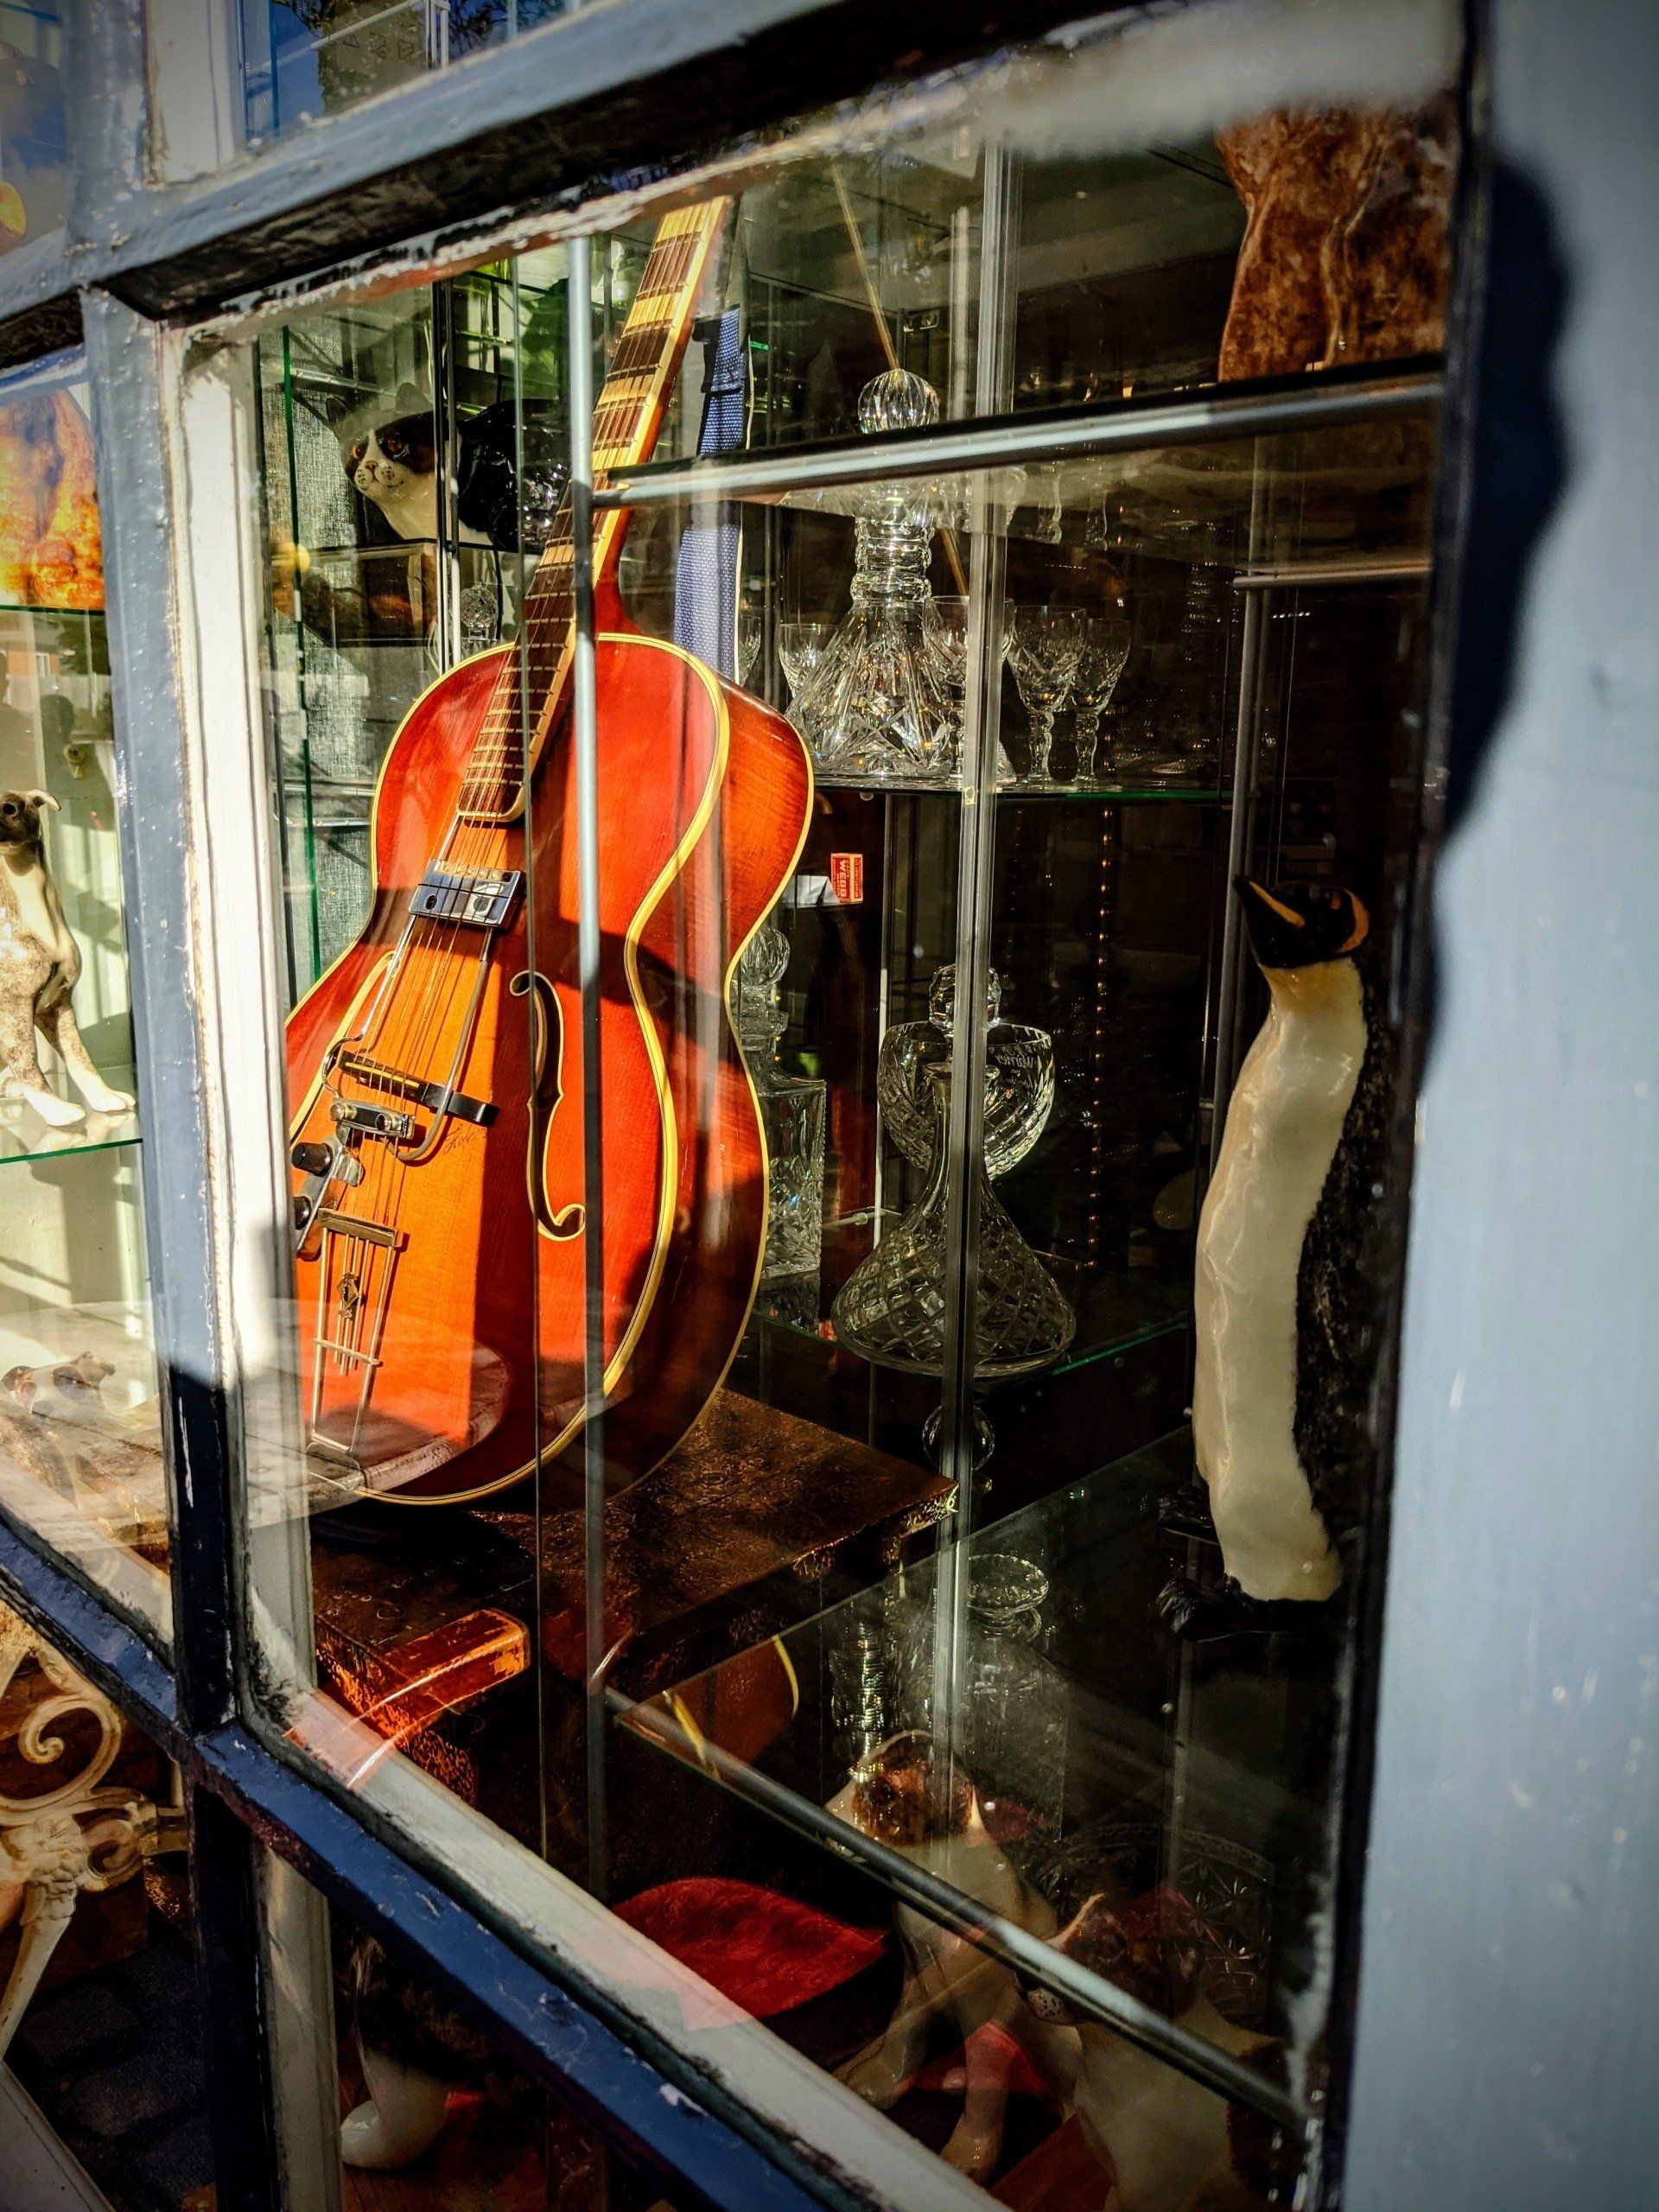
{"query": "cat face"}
pixel 387 461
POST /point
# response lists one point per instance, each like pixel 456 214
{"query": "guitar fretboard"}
pixel 642 370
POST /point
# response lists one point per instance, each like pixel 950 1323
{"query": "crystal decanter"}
pixel 881 706
pixel 891 1309
pixel 791 1113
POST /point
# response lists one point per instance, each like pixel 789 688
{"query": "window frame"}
pixel 143 264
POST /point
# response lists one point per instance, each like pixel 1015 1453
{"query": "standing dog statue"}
pixel 905 1797
pixel 40 965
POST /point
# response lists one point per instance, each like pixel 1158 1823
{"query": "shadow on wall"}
pixel 1519 463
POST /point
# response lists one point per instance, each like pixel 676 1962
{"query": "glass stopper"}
pixel 897 400
pixel 941 997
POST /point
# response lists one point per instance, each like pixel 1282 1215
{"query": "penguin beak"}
pixel 1277 932
pixel 1247 887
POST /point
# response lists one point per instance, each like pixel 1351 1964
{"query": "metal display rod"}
pixel 1009 440
pixel 1297 575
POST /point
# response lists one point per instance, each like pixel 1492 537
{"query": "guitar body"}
pixel 442 1296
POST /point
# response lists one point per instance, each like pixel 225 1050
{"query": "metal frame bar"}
pixel 618 93
pixel 1011 440
pixel 579 301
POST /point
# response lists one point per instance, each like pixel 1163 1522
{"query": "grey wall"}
pixel 1508 2051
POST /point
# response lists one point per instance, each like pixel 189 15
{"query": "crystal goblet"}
pixel 1105 649
pixel 1044 646
pixel 800 648
pixel 748 642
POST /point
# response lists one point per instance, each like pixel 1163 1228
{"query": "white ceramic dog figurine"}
pixel 1168 2143
pixel 900 1798
pixel 40 965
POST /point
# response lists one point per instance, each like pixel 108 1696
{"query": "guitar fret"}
pixel 629 402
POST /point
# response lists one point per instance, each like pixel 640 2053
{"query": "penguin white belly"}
pixel 1284 1122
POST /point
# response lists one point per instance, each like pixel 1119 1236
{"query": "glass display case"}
pixel 789 786
pixel 804 1419
pixel 80 1421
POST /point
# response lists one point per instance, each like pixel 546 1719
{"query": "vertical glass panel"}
pixel 831 1574
pixel 80 1423
pixel 100 2027
pixel 34 146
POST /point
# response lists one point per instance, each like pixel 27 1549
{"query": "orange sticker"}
pixel 847 879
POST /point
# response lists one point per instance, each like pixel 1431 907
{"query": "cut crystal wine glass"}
pixel 1105 649
pixel 749 630
pixel 801 646
pixel 1044 646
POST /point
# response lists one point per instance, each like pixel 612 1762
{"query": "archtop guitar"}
pixel 436 1074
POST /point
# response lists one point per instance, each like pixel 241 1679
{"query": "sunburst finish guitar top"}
pixel 435 1071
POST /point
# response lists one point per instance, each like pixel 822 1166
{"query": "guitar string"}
pixel 469 843
pixel 455 976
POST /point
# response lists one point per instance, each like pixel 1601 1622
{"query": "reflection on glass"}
pixel 80 1453
pixel 94 1914
pixel 34 149
pixel 305 57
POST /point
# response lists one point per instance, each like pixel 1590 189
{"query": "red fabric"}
pixel 765 1952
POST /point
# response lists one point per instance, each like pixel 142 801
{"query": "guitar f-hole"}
pixel 547 1065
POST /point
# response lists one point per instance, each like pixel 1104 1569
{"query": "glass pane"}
pixel 391 2100
pixel 301 58
pixel 684 1223
pixel 33 147
pixel 99 2021
pixel 80 1420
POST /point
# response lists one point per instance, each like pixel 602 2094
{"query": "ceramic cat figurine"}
pixel 40 965
pixel 509 471
pixel 393 461
pixel 901 1797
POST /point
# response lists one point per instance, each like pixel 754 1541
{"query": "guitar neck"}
pixel 641 376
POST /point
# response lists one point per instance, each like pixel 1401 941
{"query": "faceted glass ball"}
pixel 897 400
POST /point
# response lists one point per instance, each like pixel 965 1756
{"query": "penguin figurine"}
pixel 1285 1295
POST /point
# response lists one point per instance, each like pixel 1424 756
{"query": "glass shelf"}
pixel 1070 1738
pixel 24 1135
pixel 1098 794
pixel 53 613
pixel 1117 1310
